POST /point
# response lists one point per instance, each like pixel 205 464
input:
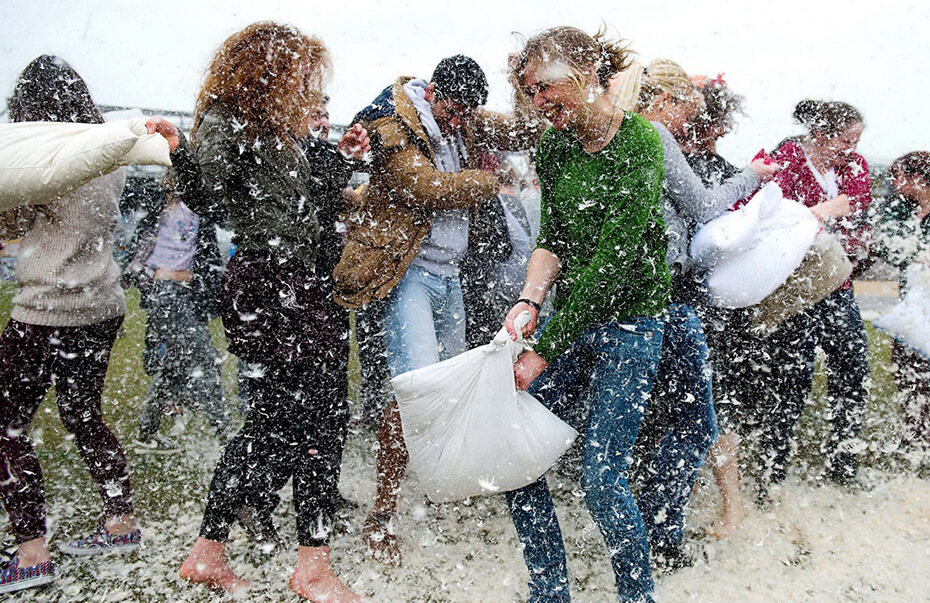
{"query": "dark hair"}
pixel 460 78
pixel 916 164
pixel 49 89
pixel 578 49
pixel 828 118
pixel 721 106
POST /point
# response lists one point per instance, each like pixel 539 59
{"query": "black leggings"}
pixel 74 360
pixel 296 428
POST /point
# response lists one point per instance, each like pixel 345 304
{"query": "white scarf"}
pixel 444 147
pixel 827 182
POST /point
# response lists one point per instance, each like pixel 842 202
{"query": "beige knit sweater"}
pixel 65 267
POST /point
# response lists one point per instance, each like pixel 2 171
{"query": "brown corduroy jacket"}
pixel 386 231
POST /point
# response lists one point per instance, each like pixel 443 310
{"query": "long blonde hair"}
pixel 271 74
pixel 577 51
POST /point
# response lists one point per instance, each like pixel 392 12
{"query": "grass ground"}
pixel 458 552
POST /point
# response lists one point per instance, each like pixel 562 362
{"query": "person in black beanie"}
pixel 407 240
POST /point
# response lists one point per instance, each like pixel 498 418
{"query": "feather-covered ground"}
pixel 812 543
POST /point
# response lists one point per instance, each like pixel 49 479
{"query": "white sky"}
pixel 873 54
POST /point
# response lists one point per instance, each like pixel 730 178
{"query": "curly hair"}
pixel 271 74
pixel 577 52
pixel 49 89
pixel 721 106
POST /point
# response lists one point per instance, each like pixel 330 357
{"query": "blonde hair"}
pixel 569 53
pixel 271 74
pixel 665 76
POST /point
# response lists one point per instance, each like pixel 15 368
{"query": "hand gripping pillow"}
pixel 469 431
pixel 41 161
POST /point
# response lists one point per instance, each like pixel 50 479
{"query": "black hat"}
pixel 461 79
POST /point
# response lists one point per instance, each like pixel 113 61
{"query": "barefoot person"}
pixel 250 117
pixel 603 241
pixel 681 417
pixel 732 345
pixel 406 243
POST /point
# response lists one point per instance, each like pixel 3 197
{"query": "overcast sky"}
pixel 872 54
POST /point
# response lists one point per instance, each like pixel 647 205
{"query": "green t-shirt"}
pixel 602 217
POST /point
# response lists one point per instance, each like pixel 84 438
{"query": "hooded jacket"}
pixel 406 187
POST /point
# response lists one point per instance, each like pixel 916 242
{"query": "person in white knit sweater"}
pixel 66 315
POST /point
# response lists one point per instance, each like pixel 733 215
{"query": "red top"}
pixel 797 182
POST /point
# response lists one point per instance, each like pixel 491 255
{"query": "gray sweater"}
pixel 65 267
pixel 687 204
pixel 441 252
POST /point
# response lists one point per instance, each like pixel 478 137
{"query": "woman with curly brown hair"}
pixel 250 116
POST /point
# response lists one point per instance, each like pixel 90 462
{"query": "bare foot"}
pixel 324 587
pixel 207 564
pixel 728 523
pixel 122 524
pixel 314 580
pixel 33 552
pixel 382 543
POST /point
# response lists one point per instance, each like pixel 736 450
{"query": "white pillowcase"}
pixel 909 320
pixel 750 252
pixel 41 161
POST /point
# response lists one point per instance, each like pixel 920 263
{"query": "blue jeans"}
pixel 425 321
pixel 681 418
pixel 611 369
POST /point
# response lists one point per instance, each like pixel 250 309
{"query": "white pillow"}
pixel 41 161
pixel 909 320
pixel 764 247
pixel 469 431
pixel 729 234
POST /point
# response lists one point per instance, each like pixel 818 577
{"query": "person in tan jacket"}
pixel 406 241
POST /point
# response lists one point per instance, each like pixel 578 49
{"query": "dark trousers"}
pixel 74 360
pixel 740 361
pixel 678 428
pixel 180 357
pixel 296 427
pixel 372 354
pixel 835 326
pixel 912 376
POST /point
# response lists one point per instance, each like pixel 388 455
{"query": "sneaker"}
pixel 13 577
pixel 155 444
pixel 102 541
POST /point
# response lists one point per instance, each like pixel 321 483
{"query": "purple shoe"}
pixel 13 577
pixel 103 541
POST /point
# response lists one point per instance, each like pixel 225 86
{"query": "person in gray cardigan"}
pixel 681 416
